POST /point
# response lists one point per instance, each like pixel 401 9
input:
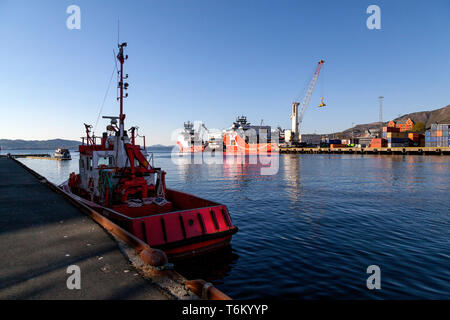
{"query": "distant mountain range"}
pixel 441 115
pixel 53 144
pixel 428 117
pixel 159 146
pixel 39 144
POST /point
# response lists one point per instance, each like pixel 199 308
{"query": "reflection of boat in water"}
pixel 245 138
pixel 212 267
pixel 62 154
pixel 117 180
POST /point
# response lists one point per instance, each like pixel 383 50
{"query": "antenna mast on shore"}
pixel 381 115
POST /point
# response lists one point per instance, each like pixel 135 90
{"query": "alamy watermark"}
pixel 374 280
pixel 74 280
pixel 74 20
pixel 374 20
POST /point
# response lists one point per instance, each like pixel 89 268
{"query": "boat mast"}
pixel 122 86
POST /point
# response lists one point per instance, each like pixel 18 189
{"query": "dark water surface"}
pixel 311 230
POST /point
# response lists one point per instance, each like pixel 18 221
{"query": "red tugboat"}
pixel 117 180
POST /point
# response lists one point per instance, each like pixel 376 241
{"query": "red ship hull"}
pixel 183 227
pixel 235 144
pixel 191 149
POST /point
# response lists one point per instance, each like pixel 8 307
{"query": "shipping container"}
pixel 397 145
pixel 337 145
pixel 397 140
pixel 413 135
pixel 378 143
pixel 396 135
pixel 391 129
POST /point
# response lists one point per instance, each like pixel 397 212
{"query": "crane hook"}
pixel 322 104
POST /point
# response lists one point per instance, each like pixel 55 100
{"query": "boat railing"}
pixel 93 139
pixel 150 159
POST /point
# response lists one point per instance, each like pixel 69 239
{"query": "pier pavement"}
pixel 42 234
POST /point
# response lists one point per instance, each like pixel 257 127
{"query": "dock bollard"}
pixel 205 290
pixel 154 257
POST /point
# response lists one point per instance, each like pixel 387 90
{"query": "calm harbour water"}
pixel 311 230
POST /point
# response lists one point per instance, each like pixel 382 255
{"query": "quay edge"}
pixel 162 283
pixel 382 151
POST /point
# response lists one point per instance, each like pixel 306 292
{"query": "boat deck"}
pixel 41 234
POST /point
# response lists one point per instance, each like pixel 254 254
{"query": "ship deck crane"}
pixel 295 116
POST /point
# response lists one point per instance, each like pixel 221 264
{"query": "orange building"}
pixel 407 126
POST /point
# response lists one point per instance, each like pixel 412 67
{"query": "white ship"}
pixel 62 154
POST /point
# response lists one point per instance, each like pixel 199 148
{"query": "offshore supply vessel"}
pixel 244 138
pixel 190 140
pixel 117 180
pixel 240 138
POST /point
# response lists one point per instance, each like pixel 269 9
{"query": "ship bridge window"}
pixel 106 161
pixel 89 163
pixel 81 163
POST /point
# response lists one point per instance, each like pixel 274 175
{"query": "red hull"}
pixel 183 227
pixel 236 145
pixel 191 149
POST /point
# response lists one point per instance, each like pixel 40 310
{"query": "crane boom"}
pixel 296 119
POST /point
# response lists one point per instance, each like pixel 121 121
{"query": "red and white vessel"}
pixel 244 138
pixel 116 179
pixel 190 140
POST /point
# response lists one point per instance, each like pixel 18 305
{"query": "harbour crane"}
pixel 295 116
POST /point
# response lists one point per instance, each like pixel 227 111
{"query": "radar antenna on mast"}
pixel 121 85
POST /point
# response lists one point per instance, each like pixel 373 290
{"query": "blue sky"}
pixel 214 60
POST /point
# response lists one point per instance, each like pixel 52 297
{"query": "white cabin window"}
pixel 89 165
pixel 81 163
pixel 106 161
